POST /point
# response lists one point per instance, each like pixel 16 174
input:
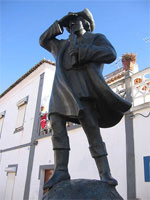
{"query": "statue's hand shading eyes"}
pixel 64 21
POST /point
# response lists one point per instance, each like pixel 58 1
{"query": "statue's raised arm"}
pixel 80 93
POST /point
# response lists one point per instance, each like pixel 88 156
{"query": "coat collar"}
pixel 86 38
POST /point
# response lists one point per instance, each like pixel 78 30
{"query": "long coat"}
pixel 72 85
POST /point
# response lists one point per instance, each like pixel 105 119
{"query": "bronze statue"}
pixel 80 93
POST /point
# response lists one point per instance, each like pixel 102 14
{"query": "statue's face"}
pixel 75 25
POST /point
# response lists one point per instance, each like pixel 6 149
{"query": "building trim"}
pixel 2 117
pixel 21 128
pixel 16 147
pixel 27 74
pixel 130 153
pixel 41 178
pixel 33 142
pixel 34 134
pixel 16 166
pixel 22 101
pixel 130 158
pixel 117 83
pixel 71 127
pixel 43 167
pixel 140 107
pixel 44 136
pixel 2 114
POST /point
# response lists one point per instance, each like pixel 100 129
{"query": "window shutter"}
pixel 1 124
pixel 21 115
pixel 147 168
pixel 2 115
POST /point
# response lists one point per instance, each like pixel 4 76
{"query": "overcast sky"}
pixel 125 23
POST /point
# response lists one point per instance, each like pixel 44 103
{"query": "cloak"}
pixel 73 85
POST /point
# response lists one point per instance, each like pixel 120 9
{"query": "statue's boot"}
pixel 104 170
pixel 61 169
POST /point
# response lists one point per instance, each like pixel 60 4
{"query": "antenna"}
pixel 146 39
pixel 117 63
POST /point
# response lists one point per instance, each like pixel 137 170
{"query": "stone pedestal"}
pixel 82 189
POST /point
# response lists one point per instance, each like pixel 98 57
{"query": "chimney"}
pixel 129 62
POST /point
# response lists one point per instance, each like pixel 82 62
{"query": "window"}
pixel 47 175
pixel 21 114
pixel 45 126
pixel 10 185
pixel 11 173
pixel 45 172
pixel 2 115
pixel 147 168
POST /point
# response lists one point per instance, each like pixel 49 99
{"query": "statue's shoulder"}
pixel 96 35
pixel 100 35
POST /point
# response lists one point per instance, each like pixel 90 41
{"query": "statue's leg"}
pixel 61 151
pixel 96 144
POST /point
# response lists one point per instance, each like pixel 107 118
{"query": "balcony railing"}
pixel 45 126
pixel 46 129
pixel 141 87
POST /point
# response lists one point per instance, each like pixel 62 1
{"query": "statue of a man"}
pixel 80 93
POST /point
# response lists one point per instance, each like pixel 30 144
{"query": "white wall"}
pixel 27 87
pixel 142 148
pixel 43 151
pixel 81 164
pixel 47 86
pixel 43 156
pixel 115 140
pixel 20 157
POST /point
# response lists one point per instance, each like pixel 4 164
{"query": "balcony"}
pixel 141 87
pixel 46 129
pixel 45 126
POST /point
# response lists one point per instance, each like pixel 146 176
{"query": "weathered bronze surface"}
pixel 80 93
pixel 82 189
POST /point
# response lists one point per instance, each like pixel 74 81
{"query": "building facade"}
pixel 26 155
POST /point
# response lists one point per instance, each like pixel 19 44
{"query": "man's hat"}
pixel 87 15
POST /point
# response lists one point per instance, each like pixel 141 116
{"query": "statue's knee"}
pixel 54 124
pixel 89 122
pixel 98 150
pixel 57 125
pixel 60 142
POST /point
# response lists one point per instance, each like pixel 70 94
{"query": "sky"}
pixel 126 24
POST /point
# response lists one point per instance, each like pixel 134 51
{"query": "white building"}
pixel 26 155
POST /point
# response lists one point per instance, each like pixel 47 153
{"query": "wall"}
pixel 81 164
pixel 43 156
pixel 115 140
pixel 20 157
pixel 142 148
pixel 47 86
pixel 44 146
pixel 28 87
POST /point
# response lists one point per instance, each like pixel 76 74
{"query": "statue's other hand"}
pixel 64 21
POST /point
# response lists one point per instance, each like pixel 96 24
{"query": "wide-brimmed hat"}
pixel 87 15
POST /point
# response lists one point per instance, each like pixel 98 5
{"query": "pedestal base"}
pixel 82 189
